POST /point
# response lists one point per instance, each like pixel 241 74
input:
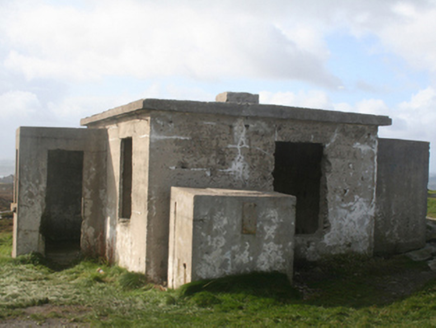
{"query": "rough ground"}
pixel 395 286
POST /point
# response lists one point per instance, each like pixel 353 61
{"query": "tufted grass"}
pixel 346 290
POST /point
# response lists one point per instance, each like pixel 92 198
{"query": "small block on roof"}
pixel 237 97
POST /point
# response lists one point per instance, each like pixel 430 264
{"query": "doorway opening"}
pixel 61 222
pixel 297 172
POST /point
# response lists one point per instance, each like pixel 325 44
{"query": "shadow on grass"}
pixel 39 259
pixel 352 281
pixel 265 285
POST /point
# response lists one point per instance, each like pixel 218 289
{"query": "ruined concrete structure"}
pixel 107 188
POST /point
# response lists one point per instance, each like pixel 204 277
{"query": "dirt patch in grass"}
pixel 34 322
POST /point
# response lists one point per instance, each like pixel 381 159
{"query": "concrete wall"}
pixel 219 232
pixel 402 176
pixel 126 237
pixel 33 145
pixel 220 151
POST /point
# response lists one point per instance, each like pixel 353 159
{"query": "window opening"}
pixel 126 179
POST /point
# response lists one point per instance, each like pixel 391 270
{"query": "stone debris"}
pixel 422 254
pixel 432 264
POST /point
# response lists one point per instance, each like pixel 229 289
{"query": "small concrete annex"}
pixel 107 189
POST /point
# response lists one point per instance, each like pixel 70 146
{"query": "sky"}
pixel 64 60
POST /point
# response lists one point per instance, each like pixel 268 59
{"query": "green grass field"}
pixel 431 204
pixel 346 291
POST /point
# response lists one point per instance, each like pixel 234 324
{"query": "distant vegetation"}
pixel 7 179
pixel 432 182
pixel 431 204
pixel 6 190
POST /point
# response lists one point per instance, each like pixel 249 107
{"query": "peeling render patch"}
pixel 333 138
pixel 363 147
pixel 352 226
pixel 239 167
pixel 156 137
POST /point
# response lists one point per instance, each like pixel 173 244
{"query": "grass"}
pixel 346 290
pixel 431 204
pixel 343 290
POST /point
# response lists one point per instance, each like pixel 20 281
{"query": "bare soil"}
pixel 48 315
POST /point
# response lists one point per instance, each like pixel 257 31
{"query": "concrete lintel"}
pixel 88 139
pixel 240 109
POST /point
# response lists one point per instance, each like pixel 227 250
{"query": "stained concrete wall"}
pixel 238 152
pixel 126 237
pixel 402 177
pixel 219 232
pixel 33 145
pixel 232 146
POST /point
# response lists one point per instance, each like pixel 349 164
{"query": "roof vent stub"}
pixel 238 98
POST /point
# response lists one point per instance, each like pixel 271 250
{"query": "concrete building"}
pixel 107 188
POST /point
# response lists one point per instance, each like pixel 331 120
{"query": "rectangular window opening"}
pixel 126 179
pixel 297 172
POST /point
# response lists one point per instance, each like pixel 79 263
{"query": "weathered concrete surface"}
pixel 33 145
pixel 402 176
pixel 238 97
pixel 126 237
pixel 203 151
pixel 232 146
pixel 220 232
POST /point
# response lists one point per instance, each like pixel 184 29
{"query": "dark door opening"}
pixel 297 172
pixel 61 222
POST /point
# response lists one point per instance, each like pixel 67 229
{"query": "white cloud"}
pixel 19 105
pixel 309 99
pixel 148 39
pixel 413 37
pixel 17 108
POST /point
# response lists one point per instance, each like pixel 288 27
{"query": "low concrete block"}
pixel 220 232
pixel 237 97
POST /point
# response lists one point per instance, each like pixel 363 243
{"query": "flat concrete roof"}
pixel 230 192
pixel 238 109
